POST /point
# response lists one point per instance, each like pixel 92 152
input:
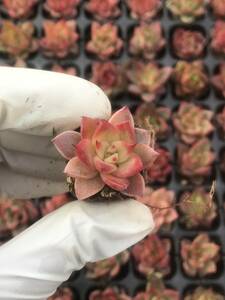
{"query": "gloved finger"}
pixel 21 186
pixel 35 263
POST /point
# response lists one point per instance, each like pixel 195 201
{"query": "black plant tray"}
pixel 129 279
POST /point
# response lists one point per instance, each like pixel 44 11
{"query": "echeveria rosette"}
pixel 144 10
pixel 110 293
pixel 192 122
pixel 62 293
pixel 103 10
pixel 203 293
pixel 107 268
pixel 61 8
pixel 188 44
pixel 187 10
pixel 218 8
pixel 111 153
pixel 17 9
pixel 218 80
pixel 60 38
pixel 51 204
pixel 105 41
pixel 218 37
pixel 66 70
pixel 200 256
pixel 147 40
pixel 147 80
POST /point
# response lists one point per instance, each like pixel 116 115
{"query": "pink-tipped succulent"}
pixel 152 255
pixel 65 70
pixel 17 40
pixel 60 38
pixel 110 77
pixel 188 44
pixel 110 293
pixel 197 208
pixel 111 153
pixel 147 79
pixel 144 10
pixel 218 37
pixel 196 161
pixel 187 10
pixel 107 268
pixel 218 80
pixel 53 203
pixel 192 122
pixel 200 256
pixel 201 293
pixel 161 203
pixel 220 118
pixel 62 293
pixel 190 79
pixel 218 7
pixel 17 9
pixel 105 41
pixel 103 10
pixel 147 40
pixel 62 8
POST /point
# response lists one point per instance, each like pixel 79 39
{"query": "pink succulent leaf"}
pixel 143 136
pixel 144 10
pixel 136 186
pixel 121 116
pixel 66 143
pixel 77 169
pixel 85 188
pixel 147 154
pixel 85 152
pixel 88 127
pixel 116 183
pixel 17 9
pixel 61 8
pixel 218 7
pixel 130 167
pixel 103 10
pixel 105 132
pixel 126 132
pixel 104 167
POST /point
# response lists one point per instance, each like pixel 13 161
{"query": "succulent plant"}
pixel 103 10
pixel 161 203
pixel 109 76
pixel 147 40
pixel 110 293
pixel 60 38
pixel 107 268
pixel 220 118
pixel 15 215
pixel 196 161
pixel 144 10
pixel 218 37
pixel 17 9
pixel 188 44
pixel 111 153
pixel 201 293
pixel 51 204
pixel 199 256
pixel 62 293
pixel 147 79
pixel 190 79
pixel 153 118
pixel 192 122
pixel 187 10
pixel 105 41
pixel 218 7
pixel 218 80
pixel 61 8
pixel 197 208
pixel 161 168
pixel 17 40
pixel 152 255
pixel 65 70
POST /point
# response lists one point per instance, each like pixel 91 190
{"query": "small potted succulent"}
pixel 218 8
pixel 192 122
pixel 144 10
pixel 188 43
pixel 107 268
pixel 110 293
pixel 60 38
pixel 147 80
pixel 198 209
pixel 200 256
pixel 218 37
pixel 51 204
pixel 65 70
pixel 105 41
pixel 187 10
pixel 161 203
pixel 62 293
pixel 153 118
pixel 17 40
pixel 18 9
pixel 202 293
pixel 220 119
pixel 103 10
pixel 110 77
pixel 195 162
pixel 153 255
pixel 61 8
pixel 147 40
pixel 190 79
pixel 218 80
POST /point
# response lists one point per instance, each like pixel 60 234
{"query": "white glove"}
pixel 34 105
